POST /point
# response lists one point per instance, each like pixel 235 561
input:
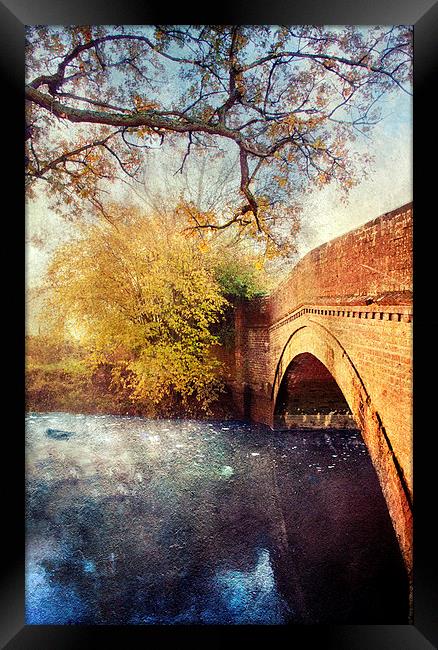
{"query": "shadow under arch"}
pixel 309 397
pixel 313 338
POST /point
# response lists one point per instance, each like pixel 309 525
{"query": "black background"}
pixel 423 14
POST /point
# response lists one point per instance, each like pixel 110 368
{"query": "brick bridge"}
pixel 332 345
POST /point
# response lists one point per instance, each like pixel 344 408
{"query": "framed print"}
pixel 221 261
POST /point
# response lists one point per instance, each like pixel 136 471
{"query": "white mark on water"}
pixel 89 566
pixel 226 471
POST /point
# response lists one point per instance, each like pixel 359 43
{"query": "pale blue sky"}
pixel 387 186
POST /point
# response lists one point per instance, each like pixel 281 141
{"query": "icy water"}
pixel 136 521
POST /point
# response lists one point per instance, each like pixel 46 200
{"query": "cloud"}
pixel 387 186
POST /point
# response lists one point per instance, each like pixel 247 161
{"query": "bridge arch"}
pixel 309 396
pixel 313 338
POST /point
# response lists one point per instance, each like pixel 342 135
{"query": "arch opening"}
pixel 309 397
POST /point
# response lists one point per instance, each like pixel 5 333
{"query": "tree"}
pixel 143 300
pixel 287 100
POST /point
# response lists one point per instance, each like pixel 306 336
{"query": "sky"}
pixel 388 185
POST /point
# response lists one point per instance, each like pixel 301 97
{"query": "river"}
pixel 137 521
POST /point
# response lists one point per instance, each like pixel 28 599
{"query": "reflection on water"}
pixel 136 521
pixel 251 596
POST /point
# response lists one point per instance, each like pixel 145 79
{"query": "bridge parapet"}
pixel 366 263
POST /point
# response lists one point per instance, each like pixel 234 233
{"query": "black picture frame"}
pixel 423 14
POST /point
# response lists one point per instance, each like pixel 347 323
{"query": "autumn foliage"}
pixel 288 100
pixel 138 312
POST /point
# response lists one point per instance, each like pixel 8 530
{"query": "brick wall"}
pixel 366 263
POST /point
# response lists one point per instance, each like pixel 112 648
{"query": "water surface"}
pixel 137 521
